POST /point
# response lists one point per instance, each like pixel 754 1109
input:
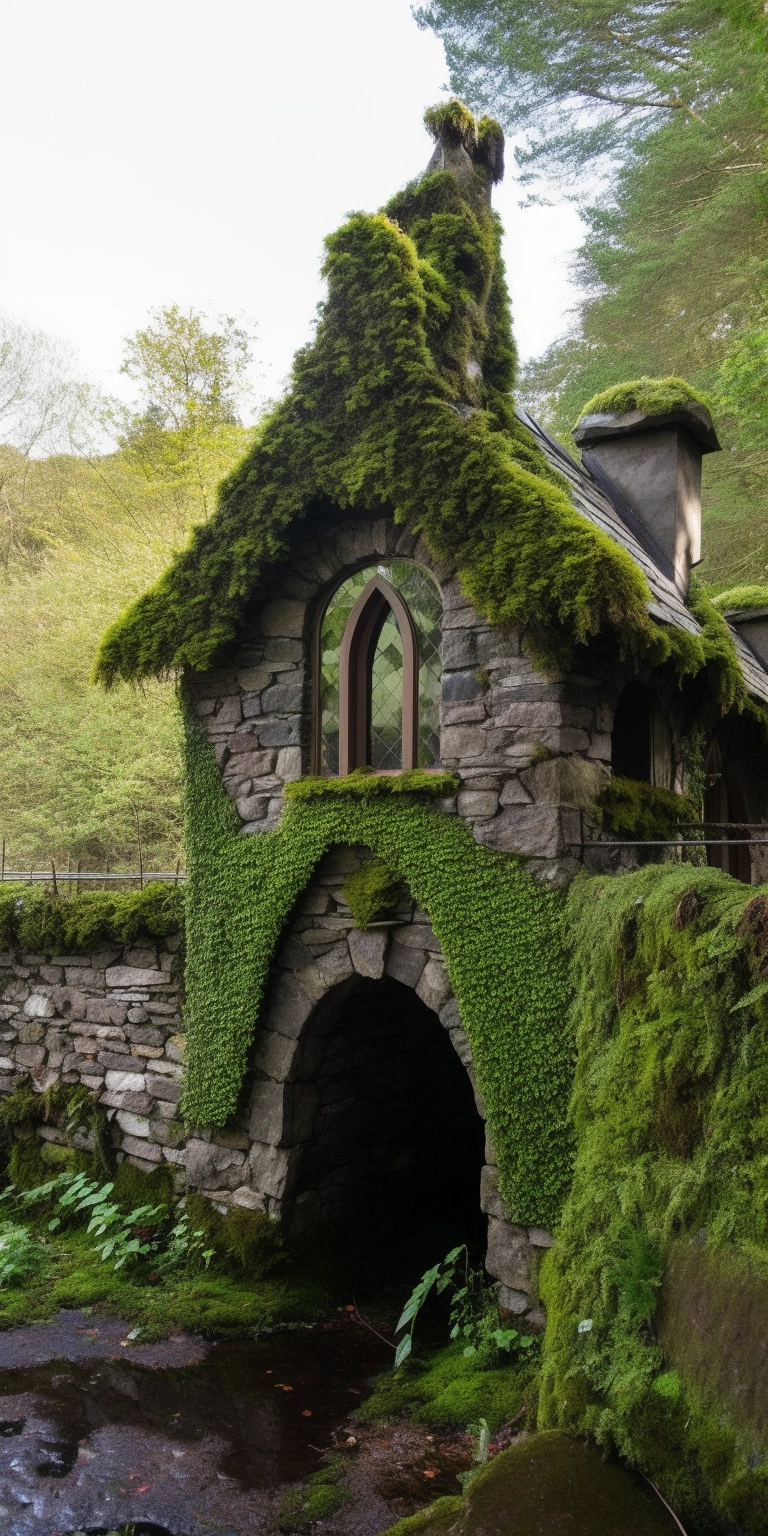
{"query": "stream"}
pixel 189 1438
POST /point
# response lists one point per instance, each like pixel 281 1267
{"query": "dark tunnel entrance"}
pixel 387 1135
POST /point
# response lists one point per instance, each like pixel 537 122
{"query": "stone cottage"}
pixel 409 576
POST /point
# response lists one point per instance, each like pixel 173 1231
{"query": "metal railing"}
pixel 79 876
pixel 86 876
pixel 682 841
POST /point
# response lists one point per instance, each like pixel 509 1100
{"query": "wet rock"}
pixel 550 1483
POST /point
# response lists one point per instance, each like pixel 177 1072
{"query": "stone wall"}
pixel 530 753
pixel 110 1021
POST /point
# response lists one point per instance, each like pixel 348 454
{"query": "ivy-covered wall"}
pixel 500 930
pixel 657 1286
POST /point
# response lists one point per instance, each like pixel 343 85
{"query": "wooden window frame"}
pixel 358 649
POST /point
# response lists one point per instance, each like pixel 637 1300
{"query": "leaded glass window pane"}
pixel 420 591
pixel 387 698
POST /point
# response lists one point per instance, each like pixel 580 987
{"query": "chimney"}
pixel 752 625
pixel 654 463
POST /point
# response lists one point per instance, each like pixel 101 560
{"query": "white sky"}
pixel 197 151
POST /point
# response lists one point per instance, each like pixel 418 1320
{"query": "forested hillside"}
pixel 83 773
pixel 653 119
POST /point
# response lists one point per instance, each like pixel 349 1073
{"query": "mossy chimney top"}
pixel 473 150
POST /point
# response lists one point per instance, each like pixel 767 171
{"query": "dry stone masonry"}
pixel 109 1021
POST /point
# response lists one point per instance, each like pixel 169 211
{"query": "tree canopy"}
pixel 662 107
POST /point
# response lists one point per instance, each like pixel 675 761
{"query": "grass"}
pixel 208 1302
pixel 77 764
pixel 445 1388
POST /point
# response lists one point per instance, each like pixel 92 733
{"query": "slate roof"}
pixel 613 516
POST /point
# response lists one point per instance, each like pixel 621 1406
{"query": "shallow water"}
pixel 197 1438
pixel 187 1438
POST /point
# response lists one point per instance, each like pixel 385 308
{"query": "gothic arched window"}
pixel 379 671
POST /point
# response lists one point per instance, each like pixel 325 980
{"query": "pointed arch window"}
pixel 379 672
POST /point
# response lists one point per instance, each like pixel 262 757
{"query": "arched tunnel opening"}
pixel 388 1140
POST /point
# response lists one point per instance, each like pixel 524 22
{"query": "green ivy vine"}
pixel 501 932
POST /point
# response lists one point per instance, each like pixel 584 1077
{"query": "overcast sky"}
pixel 197 151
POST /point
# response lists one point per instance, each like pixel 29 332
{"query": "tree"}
pixel 44 409
pixel 186 428
pixel 186 371
pixel 590 78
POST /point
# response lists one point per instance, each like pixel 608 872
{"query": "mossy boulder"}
pixel 548 1483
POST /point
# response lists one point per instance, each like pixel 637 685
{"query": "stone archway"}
pixel 321 961
pixel 381 1113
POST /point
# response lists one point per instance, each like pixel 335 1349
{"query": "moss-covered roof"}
pixel 654 397
pixel 743 599
pixel 402 404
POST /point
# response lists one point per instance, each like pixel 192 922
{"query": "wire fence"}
pixel 79 877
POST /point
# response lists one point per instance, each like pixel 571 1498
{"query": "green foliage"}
pixel 247 1242
pixel 186 372
pixel 208 1302
pixel 125 1236
pixel 21 1255
pixel 597 77
pixel 129 1235
pixel 75 763
pixel 450 1387
pixel 669 1117
pixel 474 1313
pixel 370 786
pixel 317 1499
pixel 654 397
pixel 373 893
pixel 71 1108
pixel 388 410
pixel 34 919
pixel 500 930
pixel 630 808
pixel 753 596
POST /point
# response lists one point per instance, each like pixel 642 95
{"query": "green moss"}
pixel 317 1499
pixel 546 1482
pixel 133 1187
pixel 367 785
pixel 446 1388
pixel 387 412
pixel 69 1107
pixel 500 930
pixel 34 919
pixel 248 1242
pixel 742 598
pixel 456 118
pixel 26 1166
pixel 439 1519
pixel 669 1119
pixel 373 893
pixel 215 1304
pixel 629 808
pixel 654 397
